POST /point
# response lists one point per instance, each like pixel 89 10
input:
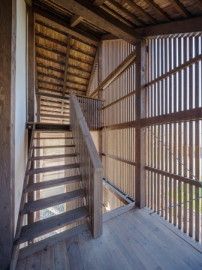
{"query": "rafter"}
pixel 44 19
pixel 125 14
pixel 181 8
pixel 157 9
pixel 101 19
pixel 135 6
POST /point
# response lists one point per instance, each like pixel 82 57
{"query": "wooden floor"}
pixel 134 240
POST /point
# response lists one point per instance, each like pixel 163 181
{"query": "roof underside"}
pixel 67 37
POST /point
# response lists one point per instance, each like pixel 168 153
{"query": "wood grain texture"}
pixel 90 166
pixel 51 201
pixel 124 245
pixel 41 227
pixel 7 120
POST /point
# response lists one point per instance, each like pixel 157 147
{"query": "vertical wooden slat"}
pixel 190 142
pixel 185 190
pixel 179 141
pixel 197 143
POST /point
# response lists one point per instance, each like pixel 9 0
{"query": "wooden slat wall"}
pixel 91 109
pixel 118 107
pixel 113 53
pixel 54 110
pixel 174 85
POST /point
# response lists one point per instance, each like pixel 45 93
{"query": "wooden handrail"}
pixel 90 165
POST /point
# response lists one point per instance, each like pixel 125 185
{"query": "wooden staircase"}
pixel 62 190
pixel 53 179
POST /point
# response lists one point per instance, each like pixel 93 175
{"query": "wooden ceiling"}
pixel 67 34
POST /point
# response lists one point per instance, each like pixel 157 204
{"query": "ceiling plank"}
pixel 157 9
pixel 125 14
pixel 44 19
pixel 175 27
pixel 180 8
pixel 99 18
pixel 140 9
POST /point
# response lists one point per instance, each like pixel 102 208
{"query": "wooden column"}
pixel 100 95
pixel 31 63
pixel 7 134
pixel 140 185
pixel 31 86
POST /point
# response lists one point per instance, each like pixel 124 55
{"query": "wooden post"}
pixel 100 95
pixel 31 63
pixel 140 185
pixel 7 134
pixel 31 86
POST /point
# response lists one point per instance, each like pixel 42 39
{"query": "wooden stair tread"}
pixel 52 240
pixel 54 182
pixel 53 168
pixel 40 204
pixel 47 225
pixel 53 146
pixel 54 138
pixel 53 156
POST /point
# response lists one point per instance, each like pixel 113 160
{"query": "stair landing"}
pixel 134 240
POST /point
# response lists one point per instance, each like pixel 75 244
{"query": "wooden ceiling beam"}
pixel 158 10
pixel 75 20
pixel 175 27
pixel 99 2
pixel 99 18
pixel 125 14
pixel 44 19
pixel 181 8
pixel 115 73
